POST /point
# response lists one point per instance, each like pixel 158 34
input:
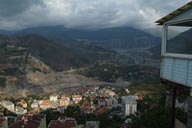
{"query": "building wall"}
pixel 130 109
pixel 177 70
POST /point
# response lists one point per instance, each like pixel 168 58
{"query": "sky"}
pixel 20 14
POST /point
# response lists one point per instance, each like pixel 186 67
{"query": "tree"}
pixel 158 117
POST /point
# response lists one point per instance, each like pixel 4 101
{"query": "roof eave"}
pixel 175 13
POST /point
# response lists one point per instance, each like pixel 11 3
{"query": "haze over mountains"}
pixel 31 55
pixel 101 44
pixel 104 37
pixel 34 56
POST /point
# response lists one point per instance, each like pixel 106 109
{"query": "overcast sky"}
pixel 18 14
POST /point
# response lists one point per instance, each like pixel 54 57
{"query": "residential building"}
pixel 29 121
pixel 64 101
pixel 45 104
pixel 8 105
pixel 102 102
pixel 77 98
pixel 35 105
pixel 176 56
pixel 129 105
pixel 20 110
pixel 53 98
pixel 23 103
pixel 3 122
pixel 63 122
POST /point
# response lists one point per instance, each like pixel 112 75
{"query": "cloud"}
pixel 18 14
pixel 10 8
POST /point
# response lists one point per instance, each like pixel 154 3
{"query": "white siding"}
pixel 180 70
pixel 189 81
pixel 177 70
pixel 167 68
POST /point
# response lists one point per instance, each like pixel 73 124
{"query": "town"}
pixel 85 104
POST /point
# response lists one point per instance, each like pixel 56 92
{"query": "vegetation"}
pixel 51 115
pixel 14 71
pixel 158 117
pixel 111 72
pixel 2 81
pixel 181 115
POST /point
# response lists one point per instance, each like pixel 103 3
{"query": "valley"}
pixel 44 60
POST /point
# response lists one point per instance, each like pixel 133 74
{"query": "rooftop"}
pixel 129 99
pixel 175 13
pixel 23 124
pixel 65 123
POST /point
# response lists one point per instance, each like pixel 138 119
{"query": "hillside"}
pixel 116 38
pixel 56 55
pixel 119 45
pixel 182 44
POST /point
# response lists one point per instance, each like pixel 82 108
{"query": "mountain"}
pixel 180 44
pixel 116 38
pixel 55 55
pixel 120 45
pixel 157 32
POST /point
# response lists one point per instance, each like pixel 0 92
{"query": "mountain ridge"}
pixel 116 38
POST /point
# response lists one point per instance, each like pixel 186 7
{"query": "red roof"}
pixel 63 122
pixel 45 103
pixel 38 117
pixel 69 123
pixel 77 96
pixel 85 102
pixel 28 124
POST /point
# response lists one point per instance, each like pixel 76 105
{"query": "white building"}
pixel 176 55
pixel 35 104
pixel 8 105
pixel 129 105
pixel 53 98
pixel 77 98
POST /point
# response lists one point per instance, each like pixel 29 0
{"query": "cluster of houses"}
pixel 39 121
pixel 96 101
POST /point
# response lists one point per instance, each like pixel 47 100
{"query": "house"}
pixel 8 105
pixel 23 103
pixel 53 98
pixel 29 121
pixel 64 101
pixel 109 102
pixel 114 102
pixel 3 122
pixel 63 122
pixel 129 105
pixel 102 102
pixel 45 104
pixel 109 92
pixel 35 104
pixel 176 56
pixel 20 110
pixel 77 98
pixel 92 124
